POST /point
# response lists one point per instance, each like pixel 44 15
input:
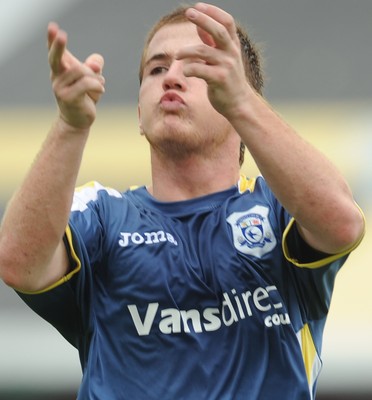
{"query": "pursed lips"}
pixel 171 101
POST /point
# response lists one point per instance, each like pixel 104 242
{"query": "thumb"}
pixel 95 62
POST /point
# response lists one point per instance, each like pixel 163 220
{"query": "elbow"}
pixel 352 231
pixel 339 233
pixel 18 280
pixel 10 279
pixel 28 272
pixel 13 272
pixel 8 273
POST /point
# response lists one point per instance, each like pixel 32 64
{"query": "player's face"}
pixel 174 110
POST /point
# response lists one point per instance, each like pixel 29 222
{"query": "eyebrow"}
pixel 164 56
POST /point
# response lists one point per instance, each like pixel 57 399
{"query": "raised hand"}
pixel 222 67
pixel 77 85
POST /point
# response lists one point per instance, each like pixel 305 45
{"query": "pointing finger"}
pixel 218 26
pixel 218 15
pixel 52 32
pixel 57 45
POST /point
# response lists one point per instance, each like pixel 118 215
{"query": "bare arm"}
pixel 307 184
pixel 32 254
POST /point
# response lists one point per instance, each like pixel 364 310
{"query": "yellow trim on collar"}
pixel 245 184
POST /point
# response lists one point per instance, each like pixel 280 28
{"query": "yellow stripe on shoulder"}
pixel 90 184
pixel 245 184
pixel 66 277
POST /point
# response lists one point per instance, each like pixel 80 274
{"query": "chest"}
pixel 181 259
pixel 181 274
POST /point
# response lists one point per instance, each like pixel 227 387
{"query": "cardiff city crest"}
pixel 252 232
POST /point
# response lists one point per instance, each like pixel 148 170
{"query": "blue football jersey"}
pixel 197 299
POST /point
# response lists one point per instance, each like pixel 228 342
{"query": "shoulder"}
pixel 92 192
pixel 256 185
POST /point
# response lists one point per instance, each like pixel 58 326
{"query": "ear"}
pixel 139 120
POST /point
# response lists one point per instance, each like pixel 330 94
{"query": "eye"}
pixel 158 70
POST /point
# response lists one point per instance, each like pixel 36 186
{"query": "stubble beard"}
pixel 179 137
pixel 177 140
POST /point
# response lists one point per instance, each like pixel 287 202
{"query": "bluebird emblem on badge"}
pixel 252 232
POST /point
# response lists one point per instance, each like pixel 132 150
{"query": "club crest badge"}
pixel 252 232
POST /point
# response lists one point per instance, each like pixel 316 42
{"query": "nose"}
pixel 174 77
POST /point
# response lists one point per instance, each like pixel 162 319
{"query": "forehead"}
pixel 172 37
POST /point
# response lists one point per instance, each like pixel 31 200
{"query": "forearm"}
pixel 36 217
pixel 307 184
pixel 32 254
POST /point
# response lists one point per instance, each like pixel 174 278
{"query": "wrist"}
pixel 66 127
pixel 244 104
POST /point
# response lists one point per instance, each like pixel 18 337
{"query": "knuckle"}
pixel 201 51
pixel 230 64
pixel 221 35
pixel 223 76
pixel 230 22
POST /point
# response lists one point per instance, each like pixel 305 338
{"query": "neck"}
pixel 192 176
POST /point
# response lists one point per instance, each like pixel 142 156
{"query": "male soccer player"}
pixel 204 284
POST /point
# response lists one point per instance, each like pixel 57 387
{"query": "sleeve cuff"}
pixel 324 258
pixel 74 259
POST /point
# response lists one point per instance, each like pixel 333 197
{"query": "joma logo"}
pixel 137 238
